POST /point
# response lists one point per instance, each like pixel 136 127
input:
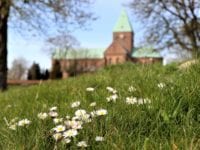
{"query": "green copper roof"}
pixel 123 23
pixel 145 52
pixel 79 54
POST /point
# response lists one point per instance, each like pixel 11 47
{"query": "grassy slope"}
pixel 172 120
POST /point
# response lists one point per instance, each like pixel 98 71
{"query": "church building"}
pixel 122 49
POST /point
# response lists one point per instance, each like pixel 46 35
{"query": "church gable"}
pixel 115 49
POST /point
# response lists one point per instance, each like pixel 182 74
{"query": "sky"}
pixel 99 34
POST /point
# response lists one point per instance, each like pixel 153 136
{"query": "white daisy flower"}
pixel 93 104
pixel 70 133
pixel 76 118
pixel 53 108
pixel 161 85
pixel 140 101
pixel 93 114
pixel 66 140
pixel 67 117
pixel 13 127
pixel 24 122
pixel 57 136
pixel 82 144
pixel 42 116
pixel 80 112
pixel 75 104
pixel 59 128
pixel 101 112
pixel 131 89
pixel 99 138
pixel 14 120
pixel 112 98
pixel 74 124
pixel 131 100
pixel 57 120
pixel 111 90
pixel 53 114
pixel 86 118
pixel 146 100
pixel 90 89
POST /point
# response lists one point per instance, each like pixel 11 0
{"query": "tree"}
pixel 44 74
pixel 38 14
pixel 34 72
pixel 63 41
pixel 170 23
pixel 18 69
pixel 56 70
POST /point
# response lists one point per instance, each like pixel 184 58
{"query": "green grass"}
pixel 171 121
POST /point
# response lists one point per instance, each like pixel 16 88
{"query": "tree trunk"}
pixel 4 13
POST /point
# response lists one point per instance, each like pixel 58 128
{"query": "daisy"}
pixel 67 117
pixel 57 136
pixel 140 101
pixel 131 100
pixel 99 138
pixel 80 112
pixel 24 122
pixel 75 104
pixel 57 120
pixel 161 85
pixel 66 140
pixel 70 133
pixel 82 144
pixel 59 128
pixel 53 108
pixel 13 127
pixel 53 114
pixel 146 100
pixel 93 104
pixel 93 114
pixel 74 124
pixel 42 116
pixel 111 90
pixel 131 89
pixel 89 89
pixel 112 98
pixel 101 112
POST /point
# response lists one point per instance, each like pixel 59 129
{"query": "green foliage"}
pixel 170 121
pixel 34 72
pixel 56 71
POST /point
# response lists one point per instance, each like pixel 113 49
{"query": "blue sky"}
pixel 98 36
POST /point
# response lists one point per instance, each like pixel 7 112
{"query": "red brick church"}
pixel 121 49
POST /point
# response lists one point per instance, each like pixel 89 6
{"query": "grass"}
pixel 170 121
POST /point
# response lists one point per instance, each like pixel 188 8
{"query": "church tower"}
pixel 122 44
pixel 123 32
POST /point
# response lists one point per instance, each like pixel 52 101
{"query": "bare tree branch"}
pixel 170 22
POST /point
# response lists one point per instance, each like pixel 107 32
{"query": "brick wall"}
pixel 125 39
pixel 81 65
pixel 146 60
